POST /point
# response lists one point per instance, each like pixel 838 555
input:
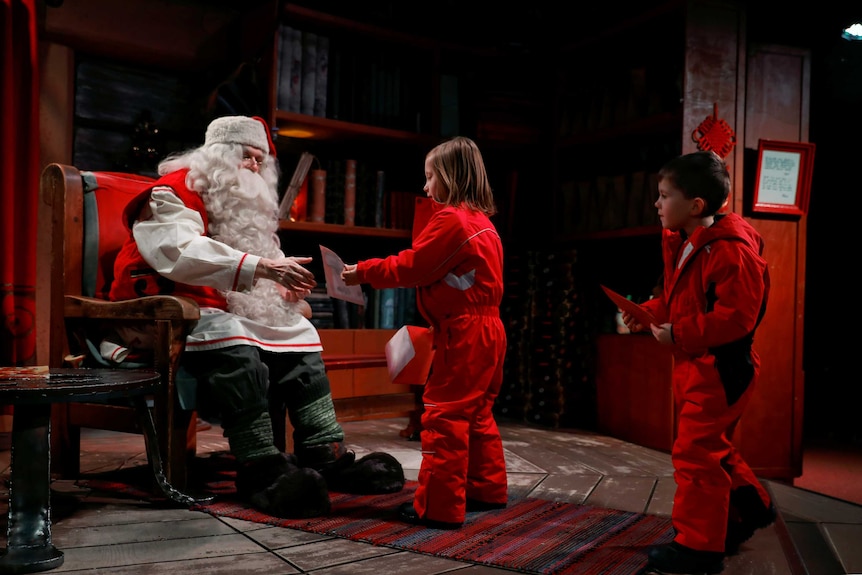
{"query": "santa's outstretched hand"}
pixel 288 272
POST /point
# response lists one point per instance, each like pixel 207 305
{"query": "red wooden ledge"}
pixel 354 361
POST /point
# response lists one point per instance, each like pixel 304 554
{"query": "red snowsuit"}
pixel 714 294
pixel 456 264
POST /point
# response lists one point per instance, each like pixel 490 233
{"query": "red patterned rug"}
pixel 529 536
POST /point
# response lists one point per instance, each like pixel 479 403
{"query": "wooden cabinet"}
pixel 634 399
pixel 350 383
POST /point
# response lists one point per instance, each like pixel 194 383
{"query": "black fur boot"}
pixel 375 473
pixel 275 485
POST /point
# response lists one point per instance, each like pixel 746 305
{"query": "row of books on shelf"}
pixel 619 98
pixel 303 71
pixel 510 118
pixel 329 77
pixel 609 203
pixel 387 308
pixel 351 192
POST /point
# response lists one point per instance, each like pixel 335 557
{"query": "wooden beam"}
pixel 165 34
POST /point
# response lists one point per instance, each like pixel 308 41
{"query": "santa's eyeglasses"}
pixel 252 160
pixel 249 158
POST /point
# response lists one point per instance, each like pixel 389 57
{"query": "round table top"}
pixel 78 384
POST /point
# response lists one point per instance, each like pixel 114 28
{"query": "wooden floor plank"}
pixel 203 526
pixel 574 488
pixel 276 537
pixel 400 563
pixel 261 563
pixel 320 554
pixel 626 493
pixel 168 549
pixel 661 502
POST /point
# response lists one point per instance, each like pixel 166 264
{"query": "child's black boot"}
pixel 676 558
pixel 748 513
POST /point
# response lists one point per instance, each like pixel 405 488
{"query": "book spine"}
pixel 372 318
pixel 295 70
pixel 285 61
pixel 387 308
pixel 400 306
pixel 449 115
pixel 334 213
pixel 379 208
pixel 341 313
pixel 317 211
pixel 364 195
pixel 299 208
pixel 333 82
pixel 321 76
pixel 350 193
pixel 309 73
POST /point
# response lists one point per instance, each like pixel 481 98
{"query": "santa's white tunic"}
pixel 174 243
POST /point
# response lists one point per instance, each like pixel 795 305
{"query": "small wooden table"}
pixel 28 533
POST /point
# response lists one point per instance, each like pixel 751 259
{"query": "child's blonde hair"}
pixel 459 166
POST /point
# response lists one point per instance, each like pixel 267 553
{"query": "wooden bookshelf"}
pixel 323 129
pixel 342 230
pixel 657 124
pixel 633 232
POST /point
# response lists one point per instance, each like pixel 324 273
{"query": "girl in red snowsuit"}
pixel 714 293
pixel 456 264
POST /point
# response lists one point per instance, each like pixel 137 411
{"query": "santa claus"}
pixel 207 229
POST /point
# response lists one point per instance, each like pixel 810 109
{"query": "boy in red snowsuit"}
pixel 456 264
pixel 714 293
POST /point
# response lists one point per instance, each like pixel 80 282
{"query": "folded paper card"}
pixel 409 354
pixel 335 286
pixel 642 316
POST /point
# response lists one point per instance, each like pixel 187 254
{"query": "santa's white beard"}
pixel 243 215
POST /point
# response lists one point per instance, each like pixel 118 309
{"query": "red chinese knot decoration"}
pixel 714 134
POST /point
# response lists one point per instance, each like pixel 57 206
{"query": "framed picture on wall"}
pixel 783 181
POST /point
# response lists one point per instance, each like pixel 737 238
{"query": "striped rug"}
pixel 529 536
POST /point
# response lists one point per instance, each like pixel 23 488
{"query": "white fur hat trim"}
pixel 237 130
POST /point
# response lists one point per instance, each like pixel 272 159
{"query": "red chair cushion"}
pixel 105 197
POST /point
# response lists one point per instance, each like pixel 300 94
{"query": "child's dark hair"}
pixel 699 175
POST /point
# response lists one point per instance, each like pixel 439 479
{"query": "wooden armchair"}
pixel 88 230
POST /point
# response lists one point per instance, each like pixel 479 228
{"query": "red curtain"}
pixel 19 179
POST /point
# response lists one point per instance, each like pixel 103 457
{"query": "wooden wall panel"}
pixel 778 92
pixel 777 107
pixel 714 44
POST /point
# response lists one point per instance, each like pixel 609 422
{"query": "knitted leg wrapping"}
pixel 315 422
pixel 252 441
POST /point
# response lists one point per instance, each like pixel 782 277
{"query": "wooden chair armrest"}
pixel 144 308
